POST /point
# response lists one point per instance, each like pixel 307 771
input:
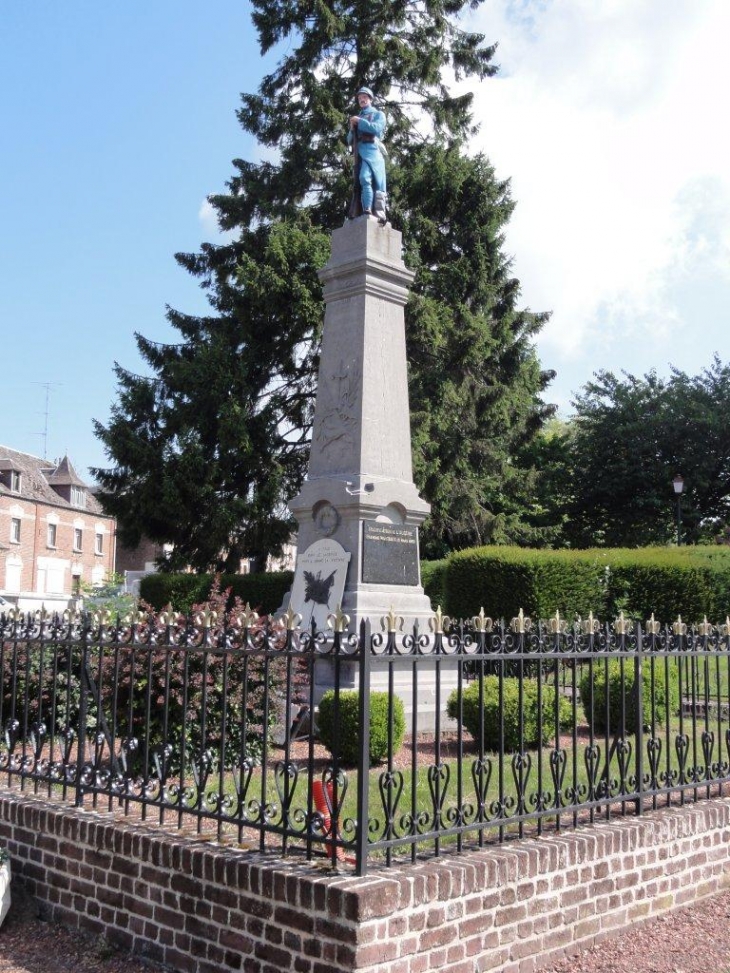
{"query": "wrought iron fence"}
pixel 535 726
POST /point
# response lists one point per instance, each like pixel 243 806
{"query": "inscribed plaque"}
pixel 389 554
pixel 319 582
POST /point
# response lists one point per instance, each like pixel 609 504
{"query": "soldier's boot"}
pixel 379 207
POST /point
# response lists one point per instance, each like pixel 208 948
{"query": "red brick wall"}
pixel 202 908
pixel 33 540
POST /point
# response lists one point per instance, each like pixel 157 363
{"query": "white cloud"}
pixel 208 218
pixel 610 117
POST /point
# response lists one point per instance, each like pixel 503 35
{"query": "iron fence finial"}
pixel 438 622
pixel 482 623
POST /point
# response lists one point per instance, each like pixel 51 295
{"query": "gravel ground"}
pixel 692 940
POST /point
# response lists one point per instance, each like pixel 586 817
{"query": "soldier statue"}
pixel 364 136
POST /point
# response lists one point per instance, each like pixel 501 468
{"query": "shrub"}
pixel 667 583
pixel 688 581
pixel 511 711
pixel 505 579
pixel 593 682
pixel 181 591
pixel 263 592
pixel 148 694
pixel 433 579
pixel 347 744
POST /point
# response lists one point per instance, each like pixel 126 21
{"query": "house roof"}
pixel 39 476
pixel 65 475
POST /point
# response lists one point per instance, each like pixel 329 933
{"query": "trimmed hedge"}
pixel 510 710
pixel 505 579
pixel 263 592
pixel 433 579
pixel 689 581
pixel 347 743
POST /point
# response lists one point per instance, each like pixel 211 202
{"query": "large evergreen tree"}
pixel 208 450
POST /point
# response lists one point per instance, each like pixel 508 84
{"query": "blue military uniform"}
pixel 370 129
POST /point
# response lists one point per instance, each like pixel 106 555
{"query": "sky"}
pixel 609 117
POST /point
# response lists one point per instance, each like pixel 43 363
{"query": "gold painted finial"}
pixel 104 617
pixel 439 622
pixel 134 618
pixel 482 623
pixel 521 623
pixel 622 626
pixel 291 619
pixel 391 622
pixel 248 616
pixel 207 618
pixel 653 627
pixel 706 628
pixel 556 624
pixel 338 620
pixel 679 627
pixel 590 625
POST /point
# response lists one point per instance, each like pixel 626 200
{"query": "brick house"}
pixel 53 532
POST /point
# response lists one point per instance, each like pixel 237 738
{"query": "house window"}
pixel 15 481
pixel 78 496
pixel 99 544
pixel 51 535
pixel 13 573
pixel 78 538
pixel 15 530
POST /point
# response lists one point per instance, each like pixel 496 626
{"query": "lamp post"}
pixel 678 484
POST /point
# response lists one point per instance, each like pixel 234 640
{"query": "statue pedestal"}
pixel 359 490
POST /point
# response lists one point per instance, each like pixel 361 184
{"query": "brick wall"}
pixel 201 908
pixel 33 516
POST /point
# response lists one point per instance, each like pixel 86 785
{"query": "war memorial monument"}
pixel 358 510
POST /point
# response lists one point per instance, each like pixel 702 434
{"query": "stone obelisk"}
pixel 359 492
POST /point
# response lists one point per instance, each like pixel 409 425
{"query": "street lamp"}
pixel 678 484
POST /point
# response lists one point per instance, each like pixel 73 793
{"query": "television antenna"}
pixel 46 412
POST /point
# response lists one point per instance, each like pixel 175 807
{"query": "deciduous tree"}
pixel 631 436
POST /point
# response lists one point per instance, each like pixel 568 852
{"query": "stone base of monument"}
pixel 423 703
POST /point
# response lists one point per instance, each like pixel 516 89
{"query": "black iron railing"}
pixel 509 728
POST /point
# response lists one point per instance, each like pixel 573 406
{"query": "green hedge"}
pixel 689 581
pixel 347 741
pixel 505 579
pixel 433 579
pixel 264 592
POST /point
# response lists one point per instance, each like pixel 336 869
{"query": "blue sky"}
pixel 610 117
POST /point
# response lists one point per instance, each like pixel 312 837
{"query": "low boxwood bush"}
pixel 263 592
pixel 346 746
pixel 595 680
pixel 511 709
